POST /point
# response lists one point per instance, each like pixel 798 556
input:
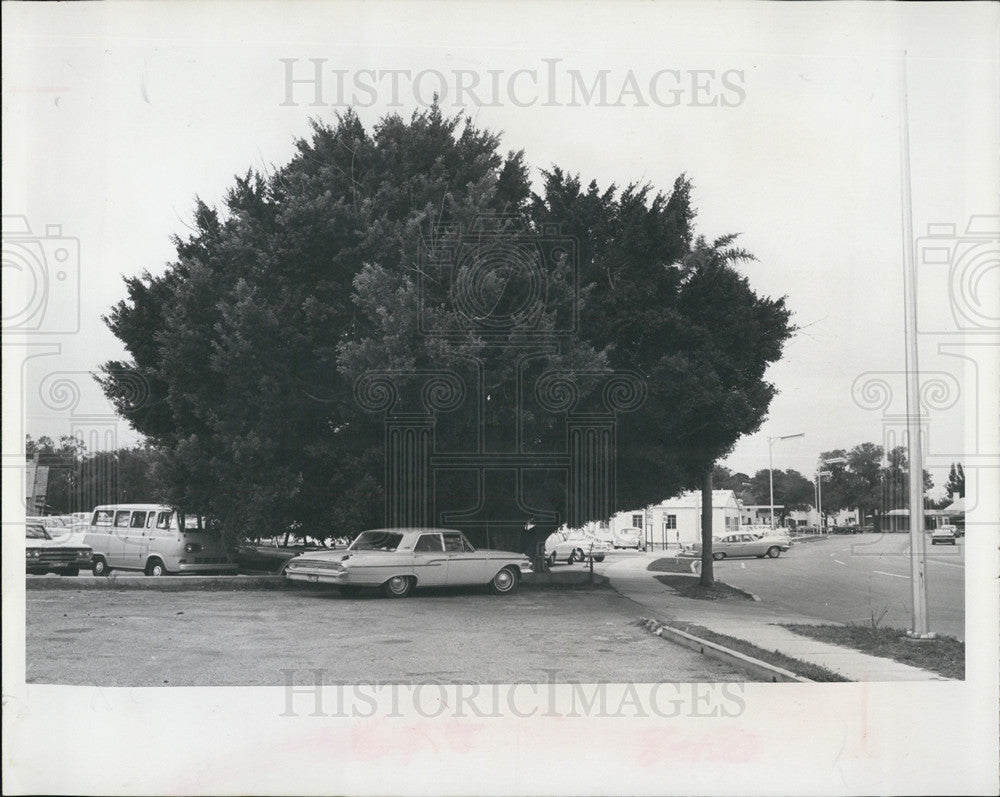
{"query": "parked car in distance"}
pixel 628 538
pixel 562 546
pixel 397 561
pixel 944 535
pixel 780 536
pixel 741 544
pixel 43 554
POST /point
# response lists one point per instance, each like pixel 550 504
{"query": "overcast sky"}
pixel 786 117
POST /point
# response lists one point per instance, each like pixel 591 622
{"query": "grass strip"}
pixel 689 587
pixel 811 671
pixel 671 565
pixel 944 655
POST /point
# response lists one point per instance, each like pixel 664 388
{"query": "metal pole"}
pixel 918 576
pixel 770 476
pixel 819 482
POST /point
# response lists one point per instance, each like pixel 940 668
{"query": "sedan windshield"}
pixel 377 541
pixel 36 532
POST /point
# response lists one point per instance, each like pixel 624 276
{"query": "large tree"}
pixel 792 491
pixel 252 343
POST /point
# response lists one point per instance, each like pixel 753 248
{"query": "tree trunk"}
pixel 707 575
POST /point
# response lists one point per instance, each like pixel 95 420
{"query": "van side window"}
pixel 150 520
pixel 163 521
pixel 138 520
pixel 102 517
pixel 121 519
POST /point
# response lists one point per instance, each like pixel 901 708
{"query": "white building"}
pixel 676 521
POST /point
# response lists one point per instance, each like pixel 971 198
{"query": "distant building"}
pixel 953 514
pixel 675 522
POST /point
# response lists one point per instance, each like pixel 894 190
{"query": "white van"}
pixel 156 540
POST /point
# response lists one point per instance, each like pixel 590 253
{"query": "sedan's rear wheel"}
pixel 598 557
pixel 718 556
pixel 398 587
pixel 504 582
pixel 551 560
pixel 774 551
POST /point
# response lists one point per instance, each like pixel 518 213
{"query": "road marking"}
pixel 839 562
pixel 894 575
pixel 949 564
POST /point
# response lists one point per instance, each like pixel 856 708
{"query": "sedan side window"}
pixel 428 542
pixel 453 542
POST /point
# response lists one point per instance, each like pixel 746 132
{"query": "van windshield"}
pixel 376 541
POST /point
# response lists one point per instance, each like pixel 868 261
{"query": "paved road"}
pixel 153 638
pixel 848 578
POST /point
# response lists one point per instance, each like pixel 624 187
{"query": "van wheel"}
pixel 155 568
pixel 398 587
pixel 100 567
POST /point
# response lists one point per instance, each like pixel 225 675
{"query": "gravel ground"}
pixel 150 638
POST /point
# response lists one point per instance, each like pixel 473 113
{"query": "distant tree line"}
pixel 871 480
pixel 79 480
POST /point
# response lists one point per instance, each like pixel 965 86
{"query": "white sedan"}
pixel 561 547
pixel 399 560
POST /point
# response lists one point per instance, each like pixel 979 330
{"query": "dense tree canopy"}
pixel 253 341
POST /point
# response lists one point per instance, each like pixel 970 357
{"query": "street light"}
pixel 819 484
pixel 770 465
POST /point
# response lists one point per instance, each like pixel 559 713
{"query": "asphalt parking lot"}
pixel 250 638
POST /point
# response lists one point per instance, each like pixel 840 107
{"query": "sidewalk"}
pixel 753 622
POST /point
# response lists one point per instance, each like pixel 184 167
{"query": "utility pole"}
pixel 918 544
pixel 770 465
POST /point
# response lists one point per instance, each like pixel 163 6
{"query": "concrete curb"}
pixel 536 581
pixel 761 668
pixel 162 584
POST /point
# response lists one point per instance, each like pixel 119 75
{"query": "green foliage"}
pixel 251 341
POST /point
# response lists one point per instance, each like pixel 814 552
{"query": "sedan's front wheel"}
pixel 718 556
pixel 398 587
pixel 504 582
pixel 774 551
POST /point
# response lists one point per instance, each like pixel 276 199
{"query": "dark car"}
pixel 272 556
